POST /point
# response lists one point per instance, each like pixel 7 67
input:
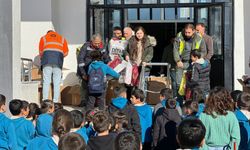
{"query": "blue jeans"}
pixel 48 71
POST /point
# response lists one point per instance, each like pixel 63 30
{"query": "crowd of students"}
pixel 218 122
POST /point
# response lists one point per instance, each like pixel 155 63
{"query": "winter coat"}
pixel 147 53
pixel 84 58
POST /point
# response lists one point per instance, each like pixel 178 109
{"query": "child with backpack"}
pixel 96 80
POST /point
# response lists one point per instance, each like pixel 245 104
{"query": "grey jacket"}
pixel 189 45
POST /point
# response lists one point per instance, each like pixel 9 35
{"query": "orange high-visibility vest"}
pixel 53 41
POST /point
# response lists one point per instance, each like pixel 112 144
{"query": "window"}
pixel 144 14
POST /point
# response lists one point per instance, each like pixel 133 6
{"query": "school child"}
pixel 103 140
pixel 164 131
pixel 79 121
pixel 165 94
pixel 61 125
pixel 120 122
pixel 7 129
pixel 197 96
pixel 200 73
pixel 222 127
pixel 25 130
pixel 127 140
pixel 72 141
pixel 243 116
pixel 191 134
pixel 145 114
pixel 190 109
pixel 96 80
pixel 43 125
pixel 235 96
pixel 89 122
pixel 121 104
pixel 25 108
pixel 34 112
pixel 58 106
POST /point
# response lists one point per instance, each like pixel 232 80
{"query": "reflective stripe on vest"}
pixel 53 49
pixel 54 43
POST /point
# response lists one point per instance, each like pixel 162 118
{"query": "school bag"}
pixel 96 83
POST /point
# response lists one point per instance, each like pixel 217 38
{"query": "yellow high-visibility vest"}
pixel 182 42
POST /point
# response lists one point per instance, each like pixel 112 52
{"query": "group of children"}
pixel 218 122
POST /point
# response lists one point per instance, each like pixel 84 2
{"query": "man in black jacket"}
pixel 84 60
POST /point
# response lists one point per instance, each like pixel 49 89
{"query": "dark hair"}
pixel 138 93
pixel 62 122
pixel 34 111
pixel 219 101
pixel 101 121
pixel 58 106
pixel 78 118
pixel 197 95
pixel 25 105
pixel 189 26
pixel 171 103
pixel 72 141
pixel 236 95
pixel 15 107
pixel 96 55
pixel 127 141
pixel 90 114
pixel 133 51
pixel 112 122
pixel 119 89
pixel 244 101
pixel 190 133
pixel 2 100
pixel 121 120
pixel 117 28
pixel 196 53
pixel 167 93
pixel 46 105
pixel 193 106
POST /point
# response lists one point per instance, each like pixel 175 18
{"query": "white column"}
pixel 239 42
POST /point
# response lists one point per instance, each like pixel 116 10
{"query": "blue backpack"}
pixel 96 80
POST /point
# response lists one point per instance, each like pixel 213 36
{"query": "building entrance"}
pixel 165 18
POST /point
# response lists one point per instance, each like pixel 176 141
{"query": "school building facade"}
pixel 23 22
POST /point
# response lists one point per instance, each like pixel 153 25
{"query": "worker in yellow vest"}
pixel 186 41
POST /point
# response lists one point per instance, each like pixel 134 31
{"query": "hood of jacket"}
pixel 119 102
pixel 96 64
pixel 202 64
pixel 143 110
pixel 171 114
pixel 149 41
pixel 240 116
pixel 44 125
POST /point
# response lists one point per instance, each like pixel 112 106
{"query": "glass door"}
pixel 212 18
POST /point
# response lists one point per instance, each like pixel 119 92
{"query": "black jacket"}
pixel 200 75
pixel 130 112
pixel 84 59
pixel 101 142
pixel 164 133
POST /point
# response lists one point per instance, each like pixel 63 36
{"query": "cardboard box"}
pixel 246 88
pixel 36 74
pixel 71 95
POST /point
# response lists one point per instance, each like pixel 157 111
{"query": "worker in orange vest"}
pixel 52 49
